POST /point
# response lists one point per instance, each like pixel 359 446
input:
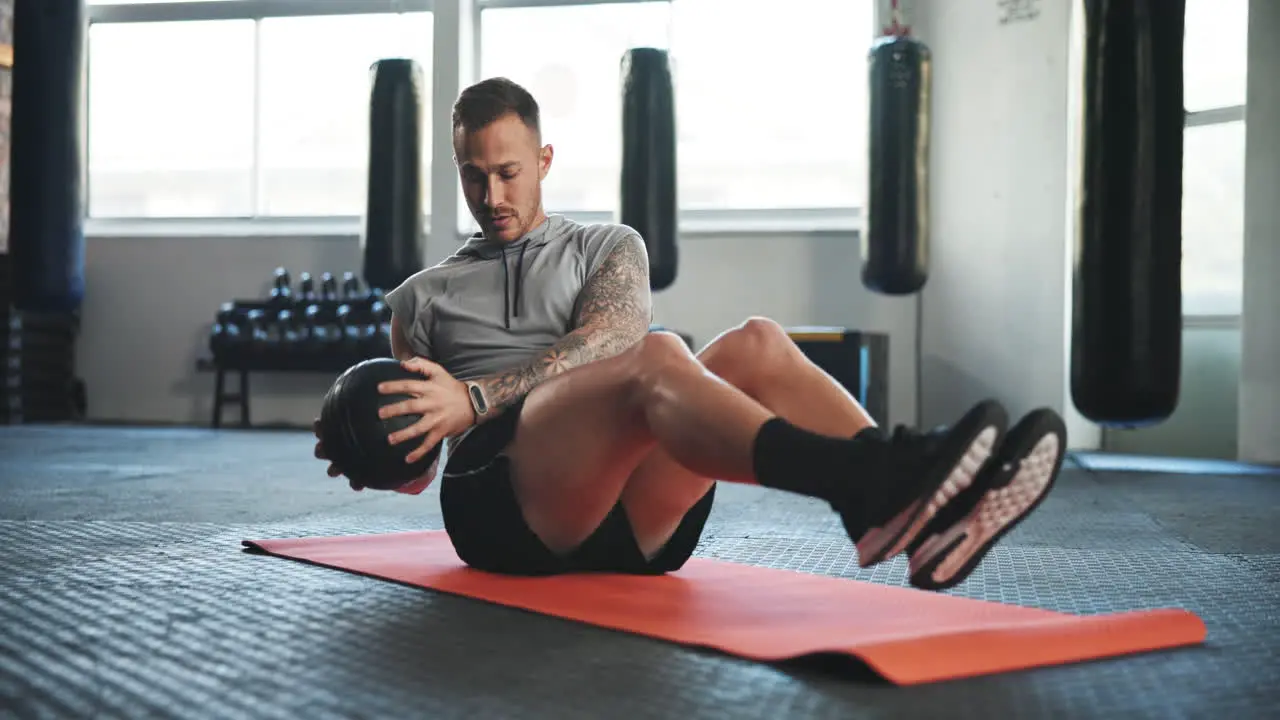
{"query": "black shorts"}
pixel 489 532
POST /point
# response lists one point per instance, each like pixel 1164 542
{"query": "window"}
pixel 769 114
pixel 1215 75
pixel 172 138
pixel 574 73
pixel 1213 219
pixel 316 76
pixel 772 105
pixel 240 118
pixel 1216 48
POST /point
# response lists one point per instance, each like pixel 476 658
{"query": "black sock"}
pixel 786 457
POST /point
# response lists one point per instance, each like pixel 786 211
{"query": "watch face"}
pixel 477 399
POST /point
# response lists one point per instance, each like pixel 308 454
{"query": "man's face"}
pixel 502 167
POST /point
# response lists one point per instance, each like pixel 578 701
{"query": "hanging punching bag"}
pixel 895 234
pixel 46 203
pixel 1126 341
pixel 392 239
pixel 649 198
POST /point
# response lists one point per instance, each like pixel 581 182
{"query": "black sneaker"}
pixel 917 476
pixel 1012 485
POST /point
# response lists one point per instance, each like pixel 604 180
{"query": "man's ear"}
pixel 544 160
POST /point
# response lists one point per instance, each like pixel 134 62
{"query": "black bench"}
pixel 328 364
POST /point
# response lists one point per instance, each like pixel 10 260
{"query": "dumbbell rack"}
pixel 312 330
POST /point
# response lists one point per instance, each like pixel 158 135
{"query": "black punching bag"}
pixel 649 198
pixel 895 234
pixel 392 240
pixel 46 195
pixel 1126 342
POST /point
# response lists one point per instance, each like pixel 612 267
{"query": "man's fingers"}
pixel 421 365
pixel 412 406
pixel 320 452
pixel 422 427
pixel 416 388
pixel 433 438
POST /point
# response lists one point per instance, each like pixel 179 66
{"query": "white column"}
pixel 1260 335
pixel 453 68
pixel 996 320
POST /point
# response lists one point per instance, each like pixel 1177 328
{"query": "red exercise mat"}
pixel 908 636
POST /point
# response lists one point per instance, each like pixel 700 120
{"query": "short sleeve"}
pixel 410 303
pixel 599 247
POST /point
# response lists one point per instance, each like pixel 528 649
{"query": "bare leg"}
pixel 582 434
pixel 760 359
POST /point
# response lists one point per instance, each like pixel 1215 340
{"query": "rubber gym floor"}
pixel 125 593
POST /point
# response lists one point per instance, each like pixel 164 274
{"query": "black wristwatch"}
pixel 479 402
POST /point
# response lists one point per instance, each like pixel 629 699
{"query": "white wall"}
pixel 1260 336
pixel 995 315
pixel 151 300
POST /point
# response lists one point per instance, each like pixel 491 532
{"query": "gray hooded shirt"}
pixel 491 306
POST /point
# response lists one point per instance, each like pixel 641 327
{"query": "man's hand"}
pixel 441 400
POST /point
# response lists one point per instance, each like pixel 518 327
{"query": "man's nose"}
pixel 493 192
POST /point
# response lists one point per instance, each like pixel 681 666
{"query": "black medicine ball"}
pixel 355 438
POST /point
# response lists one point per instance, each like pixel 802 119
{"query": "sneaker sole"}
pixel 1038 445
pixel 970 445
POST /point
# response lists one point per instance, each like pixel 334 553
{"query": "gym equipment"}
pixel 392 238
pixel 350 286
pixel 306 289
pixel 230 335
pixel 46 231
pixel 281 295
pixel 895 234
pixel 1126 344
pixel 859 361
pixel 328 287
pixel 355 438
pixel 649 198
pixel 37 364
pixel 907 636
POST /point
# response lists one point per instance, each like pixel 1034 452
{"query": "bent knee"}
pixel 661 348
pixel 759 346
pixel 656 356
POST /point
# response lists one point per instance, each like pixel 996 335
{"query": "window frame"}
pixel 1204 118
pixel 447 63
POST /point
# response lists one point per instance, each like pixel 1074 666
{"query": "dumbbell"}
pixel 292 336
pixel 227 337
pixel 351 287
pixel 281 295
pixel 306 290
pixel 349 322
pixel 259 336
pixel 377 340
pixel 328 288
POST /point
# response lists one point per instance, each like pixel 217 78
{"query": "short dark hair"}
pixel 488 100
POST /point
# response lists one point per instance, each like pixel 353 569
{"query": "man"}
pixel 576 440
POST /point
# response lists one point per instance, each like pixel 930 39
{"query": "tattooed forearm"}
pixel 613 313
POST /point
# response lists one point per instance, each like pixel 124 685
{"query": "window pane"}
pixel 316 78
pixel 171 119
pixel 1216 48
pixel 1213 219
pixel 574 72
pixel 772 105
